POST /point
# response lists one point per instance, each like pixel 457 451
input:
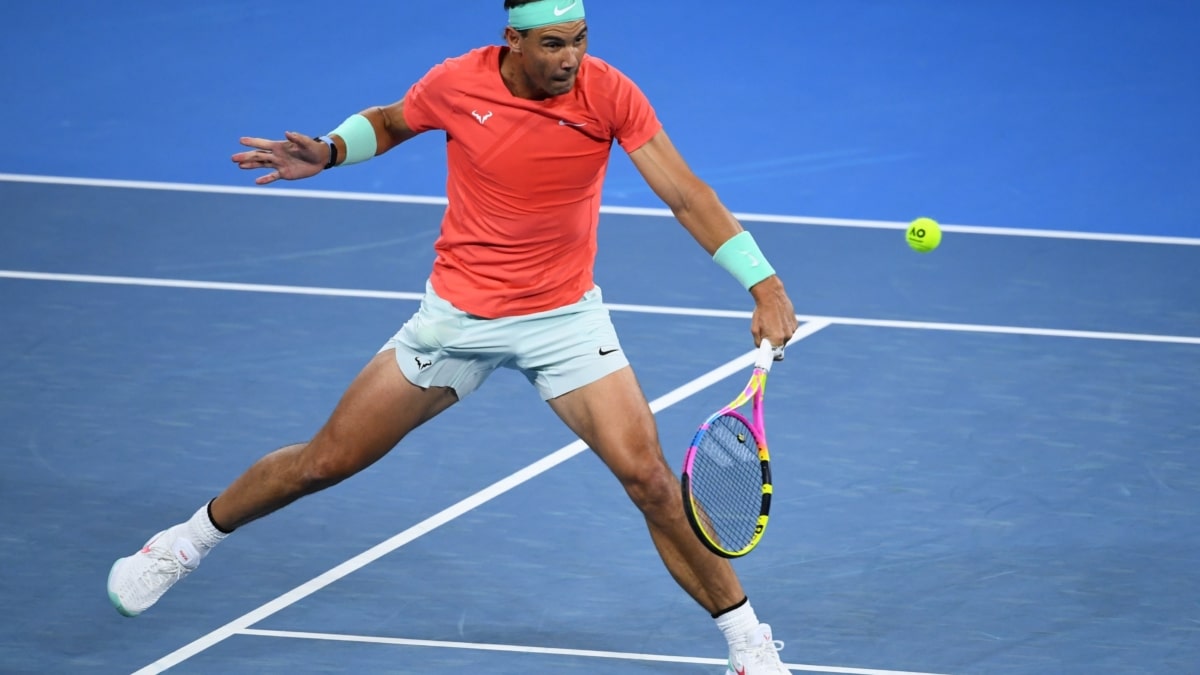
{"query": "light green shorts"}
pixel 559 350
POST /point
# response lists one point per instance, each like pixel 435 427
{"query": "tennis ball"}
pixel 923 235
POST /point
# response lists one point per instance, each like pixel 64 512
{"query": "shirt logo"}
pixel 482 118
pixel 422 364
pixel 564 123
pixel 559 11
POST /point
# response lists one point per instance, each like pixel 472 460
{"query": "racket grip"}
pixel 765 355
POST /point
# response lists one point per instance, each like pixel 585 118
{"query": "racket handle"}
pixel 765 355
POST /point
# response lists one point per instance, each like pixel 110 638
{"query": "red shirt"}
pixel 524 181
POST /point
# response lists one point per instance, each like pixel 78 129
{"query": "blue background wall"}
pixel 1067 115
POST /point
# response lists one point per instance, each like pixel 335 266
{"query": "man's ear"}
pixel 513 38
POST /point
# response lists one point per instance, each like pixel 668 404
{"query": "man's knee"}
pixel 322 465
pixel 652 486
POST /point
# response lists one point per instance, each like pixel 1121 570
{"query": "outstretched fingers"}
pixel 297 137
pixel 258 143
pixel 262 157
pixel 296 157
pixel 269 178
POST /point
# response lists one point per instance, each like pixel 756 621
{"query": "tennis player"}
pixel 529 127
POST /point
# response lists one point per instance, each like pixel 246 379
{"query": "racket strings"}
pixel 727 483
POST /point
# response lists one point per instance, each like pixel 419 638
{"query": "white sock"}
pixel 201 531
pixel 737 624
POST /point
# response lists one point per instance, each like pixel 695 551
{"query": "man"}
pixel 529 131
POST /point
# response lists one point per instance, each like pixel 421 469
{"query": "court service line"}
pixel 614 210
pixel 616 307
pixel 239 625
pixel 587 653
pixel 208 285
pixel 923 325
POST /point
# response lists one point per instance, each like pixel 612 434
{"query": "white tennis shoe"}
pixel 136 582
pixel 759 657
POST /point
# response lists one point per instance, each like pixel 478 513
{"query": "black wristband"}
pixel 332 151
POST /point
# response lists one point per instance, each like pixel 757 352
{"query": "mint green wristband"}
pixel 359 136
pixel 741 257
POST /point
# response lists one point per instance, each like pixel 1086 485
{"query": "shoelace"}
pixel 767 653
pixel 165 564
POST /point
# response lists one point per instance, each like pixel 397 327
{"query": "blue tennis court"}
pixel 985 458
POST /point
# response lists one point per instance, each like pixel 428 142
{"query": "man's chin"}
pixel 560 87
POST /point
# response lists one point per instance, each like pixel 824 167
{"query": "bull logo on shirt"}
pixel 482 118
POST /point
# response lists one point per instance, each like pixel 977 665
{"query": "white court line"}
pixel 738 365
pixel 918 325
pixel 222 189
pixel 209 285
pixel 646 309
pixel 589 653
pixel 615 210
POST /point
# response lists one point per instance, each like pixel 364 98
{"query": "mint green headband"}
pixel 545 13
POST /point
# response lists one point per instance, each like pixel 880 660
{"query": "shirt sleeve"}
pixel 425 101
pixel 634 121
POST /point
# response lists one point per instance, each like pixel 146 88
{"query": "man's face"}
pixel 553 54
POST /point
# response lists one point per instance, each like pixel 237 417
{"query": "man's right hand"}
pixel 297 157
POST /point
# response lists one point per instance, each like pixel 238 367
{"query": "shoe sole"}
pixel 112 597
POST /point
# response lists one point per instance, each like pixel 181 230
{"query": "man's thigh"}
pixel 612 416
pixel 378 409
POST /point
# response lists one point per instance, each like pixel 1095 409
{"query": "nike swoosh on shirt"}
pixel 564 123
pixel 559 11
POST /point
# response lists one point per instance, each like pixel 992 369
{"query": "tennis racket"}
pixel 727 473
